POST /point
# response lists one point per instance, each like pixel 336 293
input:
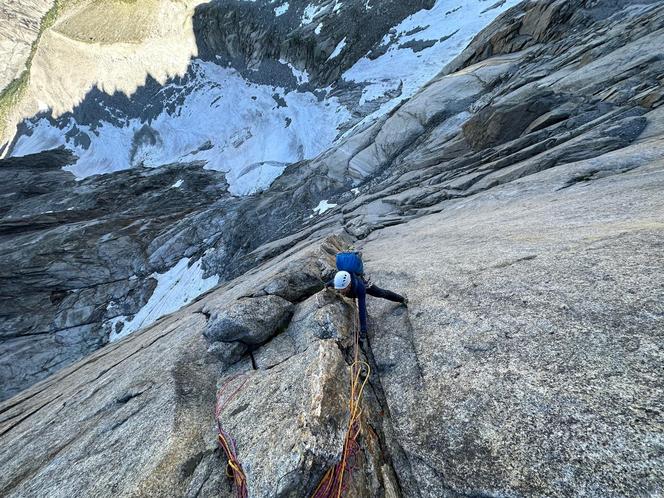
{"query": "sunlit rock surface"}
pixel 18 31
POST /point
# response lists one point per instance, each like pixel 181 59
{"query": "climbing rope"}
pixel 335 481
pixel 337 478
pixel 226 442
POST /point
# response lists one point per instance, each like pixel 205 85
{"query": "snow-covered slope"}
pixel 414 51
pixel 248 130
pixel 247 123
pixel 177 287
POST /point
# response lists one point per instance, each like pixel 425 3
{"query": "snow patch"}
pixel 178 286
pixel 177 184
pixel 339 48
pixel 310 12
pixel 418 48
pixel 301 76
pixel 281 10
pixel 324 206
pixel 255 177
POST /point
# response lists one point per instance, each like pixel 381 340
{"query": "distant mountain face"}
pixel 171 113
pixel 247 87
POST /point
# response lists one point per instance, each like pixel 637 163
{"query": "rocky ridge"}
pixel 516 199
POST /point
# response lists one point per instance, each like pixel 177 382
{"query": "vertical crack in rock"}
pixel 395 454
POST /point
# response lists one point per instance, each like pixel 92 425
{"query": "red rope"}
pixel 226 442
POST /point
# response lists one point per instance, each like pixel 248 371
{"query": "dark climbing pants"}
pixel 376 291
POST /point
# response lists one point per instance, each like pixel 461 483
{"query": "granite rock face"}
pixel 249 321
pixel 516 200
pixel 528 362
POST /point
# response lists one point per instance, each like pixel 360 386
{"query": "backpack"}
pixel 350 261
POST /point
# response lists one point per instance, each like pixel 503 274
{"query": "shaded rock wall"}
pixel 77 254
pixel 247 33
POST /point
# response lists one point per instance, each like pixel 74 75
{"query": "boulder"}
pixel 251 321
pixel 298 281
pixel 321 317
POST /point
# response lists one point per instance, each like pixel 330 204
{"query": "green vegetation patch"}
pixel 12 94
pixel 98 21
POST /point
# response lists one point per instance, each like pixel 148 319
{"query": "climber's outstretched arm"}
pixel 376 291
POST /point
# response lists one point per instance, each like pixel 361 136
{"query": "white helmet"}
pixel 342 280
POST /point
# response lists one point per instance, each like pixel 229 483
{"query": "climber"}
pixel 350 282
